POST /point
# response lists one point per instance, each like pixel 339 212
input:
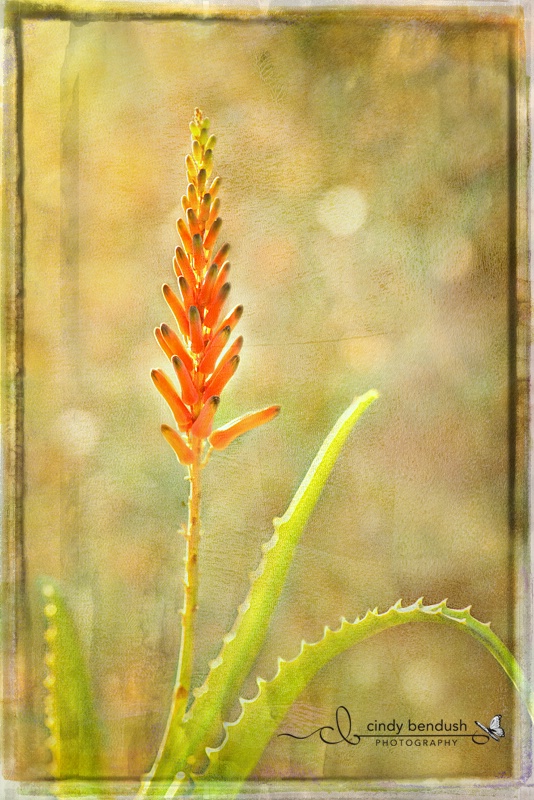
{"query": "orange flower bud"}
pixel 202 425
pixel 181 414
pixel 162 343
pixel 182 451
pixel 221 377
pixel 235 348
pixel 232 319
pixel 185 266
pixel 192 196
pixel 176 308
pixel 214 188
pixel 221 278
pixel 213 351
pixel 215 308
pixel 201 181
pixel 186 292
pixel 223 436
pixel 192 221
pixel 198 253
pixel 185 236
pixel 195 330
pixel 212 234
pixel 206 290
pixel 220 258
pixel 190 393
pixel 213 213
pixel 232 351
pixel 175 346
pixel 204 210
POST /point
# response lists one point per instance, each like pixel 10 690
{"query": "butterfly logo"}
pixel 494 730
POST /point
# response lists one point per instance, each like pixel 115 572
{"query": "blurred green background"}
pixel 365 171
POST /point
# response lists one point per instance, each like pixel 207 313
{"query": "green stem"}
pixel 185 664
pixel 184 672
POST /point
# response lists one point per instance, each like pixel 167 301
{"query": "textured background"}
pixel 365 195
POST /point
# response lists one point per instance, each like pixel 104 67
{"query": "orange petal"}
pixel 168 392
pixel 190 393
pixel 177 309
pixel 202 425
pixel 220 258
pixel 176 348
pixel 185 236
pixel 185 204
pixel 221 377
pixel 208 285
pixel 185 266
pixel 195 330
pixel 232 319
pixel 222 437
pixel 213 351
pixel 183 452
pixel 215 308
pixel 212 234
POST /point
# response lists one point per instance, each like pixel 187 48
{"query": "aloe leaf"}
pixel 185 742
pixel 74 731
pixel 248 736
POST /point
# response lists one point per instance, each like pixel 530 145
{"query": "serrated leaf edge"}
pixel 461 618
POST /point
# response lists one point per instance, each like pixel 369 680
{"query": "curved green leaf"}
pixel 247 738
pixel 185 742
pixel 74 732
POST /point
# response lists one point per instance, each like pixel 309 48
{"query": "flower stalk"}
pixel 202 369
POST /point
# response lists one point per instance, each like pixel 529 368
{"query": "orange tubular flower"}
pixel 222 438
pixel 197 352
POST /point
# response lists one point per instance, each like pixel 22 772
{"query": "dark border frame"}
pixel 17 682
